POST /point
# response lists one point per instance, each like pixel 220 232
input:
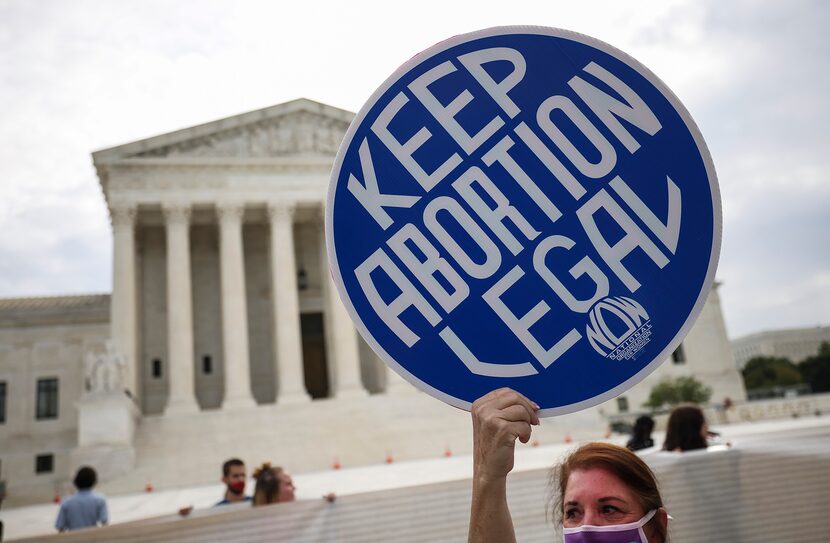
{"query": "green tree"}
pixel 816 369
pixel 680 390
pixel 767 371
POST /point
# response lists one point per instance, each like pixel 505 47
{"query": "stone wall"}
pixel 34 349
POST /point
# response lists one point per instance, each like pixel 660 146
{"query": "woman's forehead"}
pixel 596 484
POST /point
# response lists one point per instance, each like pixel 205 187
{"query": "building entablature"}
pixel 262 148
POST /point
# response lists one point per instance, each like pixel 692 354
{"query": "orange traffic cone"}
pixel 148 487
pixel 335 464
pixel 535 443
pixel 389 458
pixel 447 452
pixel 568 438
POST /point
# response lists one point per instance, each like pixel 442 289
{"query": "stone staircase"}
pixel 186 450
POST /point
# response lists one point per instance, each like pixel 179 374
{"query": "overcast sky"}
pixel 77 76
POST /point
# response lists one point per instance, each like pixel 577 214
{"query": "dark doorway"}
pixel 314 355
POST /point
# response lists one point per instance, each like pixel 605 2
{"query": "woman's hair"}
pixel 685 429
pixel 267 487
pixel 626 465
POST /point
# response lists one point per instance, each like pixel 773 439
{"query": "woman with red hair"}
pixel 604 493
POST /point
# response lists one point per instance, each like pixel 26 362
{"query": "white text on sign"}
pixel 444 269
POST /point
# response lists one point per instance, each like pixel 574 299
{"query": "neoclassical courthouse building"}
pixel 225 330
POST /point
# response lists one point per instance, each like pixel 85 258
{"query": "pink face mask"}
pixel 237 487
pixel 614 533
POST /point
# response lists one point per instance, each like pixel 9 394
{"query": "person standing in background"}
pixel 85 508
pixel 686 430
pixel 273 485
pixel 641 434
pixel 233 475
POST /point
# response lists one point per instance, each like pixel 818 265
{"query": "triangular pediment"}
pixel 297 128
pixel 295 133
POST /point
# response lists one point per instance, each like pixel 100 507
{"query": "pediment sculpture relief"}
pixel 293 134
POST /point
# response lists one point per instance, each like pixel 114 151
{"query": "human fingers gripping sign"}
pixel 505 397
pixel 523 207
pixel 519 413
pixel 499 418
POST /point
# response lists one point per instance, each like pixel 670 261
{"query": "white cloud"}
pixel 79 76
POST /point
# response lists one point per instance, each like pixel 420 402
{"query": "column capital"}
pixel 176 213
pixel 123 214
pixel 230 210
pixel 281 211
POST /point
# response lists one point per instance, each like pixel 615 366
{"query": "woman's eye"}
pixel 571 513
pixel 609 509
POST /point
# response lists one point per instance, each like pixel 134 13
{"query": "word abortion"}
pixel 447 283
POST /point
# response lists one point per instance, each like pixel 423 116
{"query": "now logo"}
pixel 612 320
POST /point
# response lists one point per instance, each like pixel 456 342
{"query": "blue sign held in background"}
pixel 523 207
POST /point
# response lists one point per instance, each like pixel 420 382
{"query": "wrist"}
pixel 491 481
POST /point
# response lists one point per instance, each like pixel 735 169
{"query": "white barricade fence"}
pixel 771 485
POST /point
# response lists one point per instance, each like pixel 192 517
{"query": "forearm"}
pixel 490 519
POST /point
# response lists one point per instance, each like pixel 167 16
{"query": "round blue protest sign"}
pixel 523 207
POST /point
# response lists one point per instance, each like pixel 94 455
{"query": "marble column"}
pixel 182 398
pixel 123 317
pixel 290 381
pixel 344 349
pixel 234 312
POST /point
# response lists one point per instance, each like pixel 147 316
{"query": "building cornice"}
pixel 54 310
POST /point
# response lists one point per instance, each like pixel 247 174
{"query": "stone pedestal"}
pixel 106 425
